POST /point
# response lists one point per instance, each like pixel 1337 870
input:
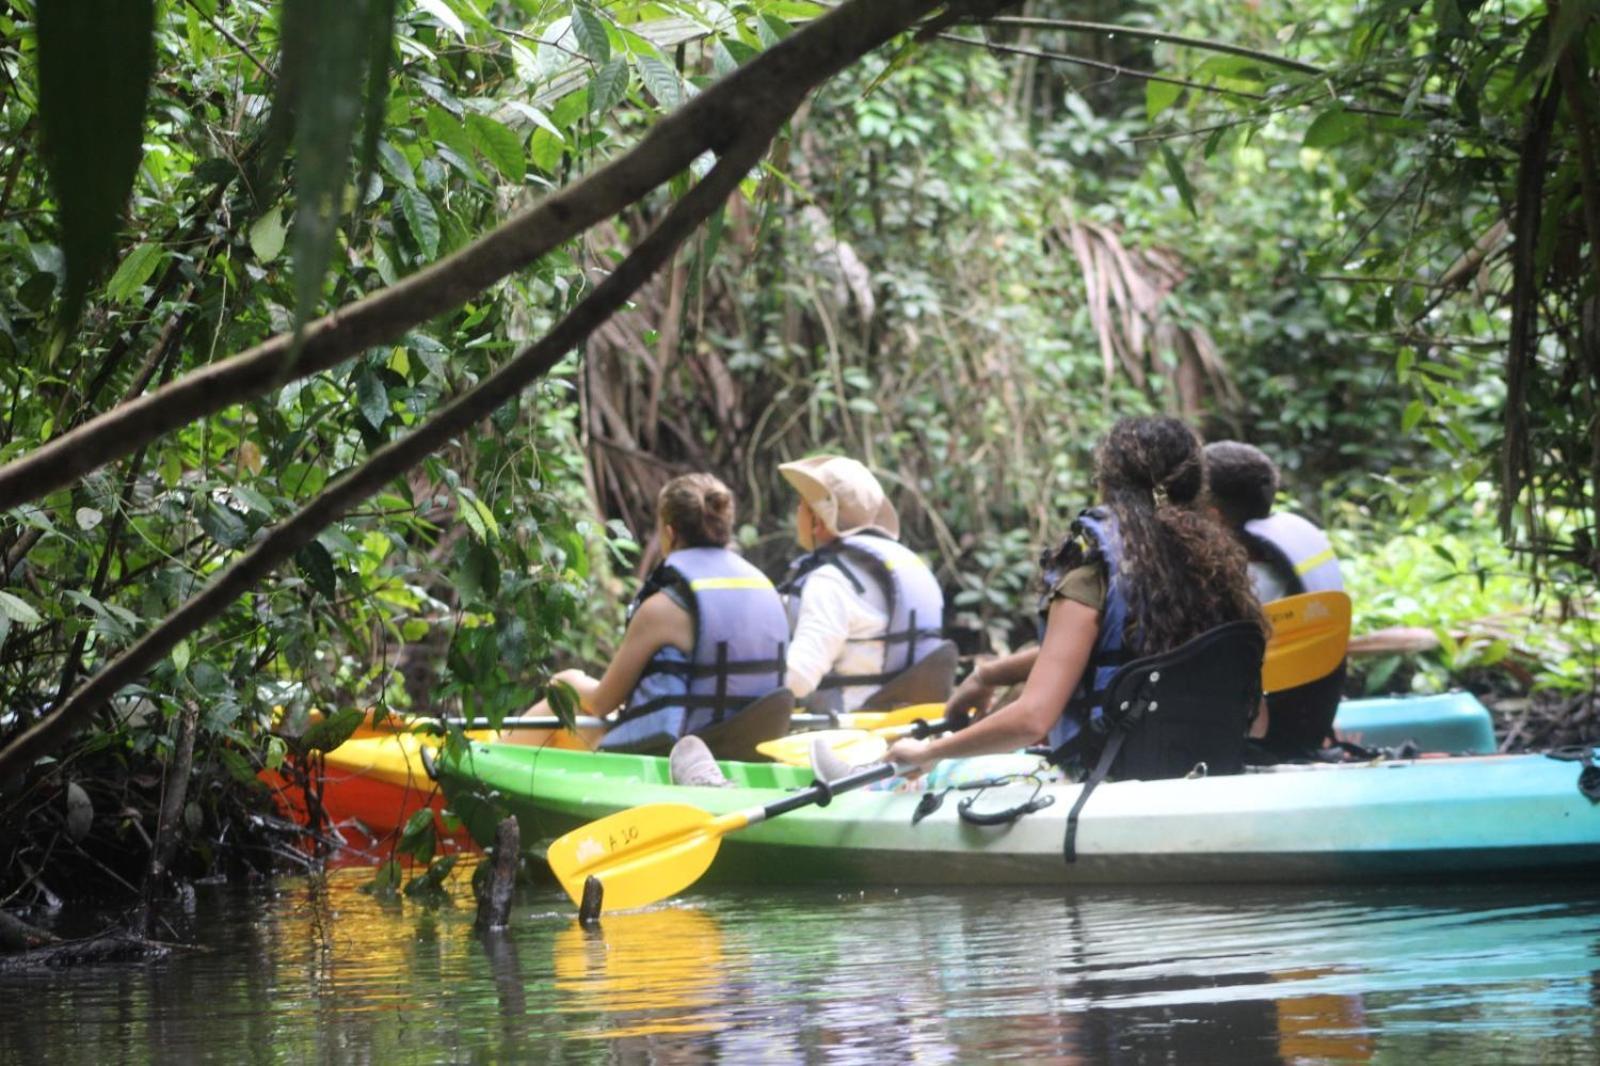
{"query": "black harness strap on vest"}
pixel 1281 565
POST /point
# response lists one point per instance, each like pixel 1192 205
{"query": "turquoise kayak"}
pixel 1515 816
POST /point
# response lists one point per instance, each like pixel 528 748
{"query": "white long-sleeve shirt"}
pixel 836 632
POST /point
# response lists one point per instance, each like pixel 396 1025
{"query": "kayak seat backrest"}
pixel 1188 706
pixel 736 736
pixel 930 679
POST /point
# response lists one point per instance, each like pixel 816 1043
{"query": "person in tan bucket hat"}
pixel 862 605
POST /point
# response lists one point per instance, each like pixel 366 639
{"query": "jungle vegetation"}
pixel 343 347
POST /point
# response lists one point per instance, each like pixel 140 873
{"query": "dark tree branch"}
pixel 763 105
pixel 1112 30
pixel 712 121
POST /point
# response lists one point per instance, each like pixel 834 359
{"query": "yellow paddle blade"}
pixel 858 747
pixel 1310 633
pixel 641 855
pixel 928 712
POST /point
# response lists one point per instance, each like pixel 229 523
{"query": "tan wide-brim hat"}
pixel 843 494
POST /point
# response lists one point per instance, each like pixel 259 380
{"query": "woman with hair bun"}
pixel 1143 573
pixel 706 632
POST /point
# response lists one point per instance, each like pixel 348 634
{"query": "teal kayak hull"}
pixel 1511 816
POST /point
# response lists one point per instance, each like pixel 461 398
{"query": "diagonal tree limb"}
pixel 711 121
pixel 395 458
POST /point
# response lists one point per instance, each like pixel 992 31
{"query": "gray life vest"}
pixel 1297 551
pixel 740 635
pixel 911 595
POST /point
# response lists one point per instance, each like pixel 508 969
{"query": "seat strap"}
pixel 1069 846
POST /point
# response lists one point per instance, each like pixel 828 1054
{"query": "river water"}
pixel 312 969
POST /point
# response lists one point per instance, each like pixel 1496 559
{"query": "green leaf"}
pixel 1179 178
pixel 1332 128
pixel 332 730
pixel 422 220
pixel 417 839
pixel 385 883
pixel 134 272
pixel 239 768
pixel 430 884
pixel 499 145
pixel 267 235
pixel 608 85
pixel 447 18
pixel 661 78
pixel 372 398
pixel 1158 96
pixel 182 652
pixel 446 129
pixel 321 83
pixel 1413 414
pixel 224 526
pixel 590 30
pixel 380 54
pixel 17 609
pixel 95 62
pixel 316 566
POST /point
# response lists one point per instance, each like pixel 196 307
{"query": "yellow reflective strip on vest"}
pixel 1312 563
pixel 910 560
pixel 705 583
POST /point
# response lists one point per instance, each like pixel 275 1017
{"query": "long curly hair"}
pixel 1182 572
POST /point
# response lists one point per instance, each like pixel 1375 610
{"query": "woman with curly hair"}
pixel 1141 574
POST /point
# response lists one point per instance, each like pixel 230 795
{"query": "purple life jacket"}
pixel 740 636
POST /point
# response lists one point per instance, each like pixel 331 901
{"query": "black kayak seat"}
pixel 735 737
pixel 1179 712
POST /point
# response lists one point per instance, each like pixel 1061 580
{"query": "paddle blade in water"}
pixel 857 747
pixel 640 855
pixel 1310 634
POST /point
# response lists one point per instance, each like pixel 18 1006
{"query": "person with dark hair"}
pixel 864 606
pixel 706 632
pixel 1143 573
pixel 1289 556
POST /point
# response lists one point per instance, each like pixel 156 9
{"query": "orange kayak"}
pixel 374 782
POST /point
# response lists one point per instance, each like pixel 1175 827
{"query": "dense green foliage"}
pixel 959 264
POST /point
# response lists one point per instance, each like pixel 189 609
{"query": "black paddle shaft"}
pixel 822 792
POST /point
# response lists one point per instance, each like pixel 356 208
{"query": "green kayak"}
pixel 1502 815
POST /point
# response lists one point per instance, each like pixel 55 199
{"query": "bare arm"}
pixel 975 693
pixel 1058 666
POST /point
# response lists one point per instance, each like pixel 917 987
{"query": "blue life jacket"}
pixel 1094 535
pixel 911 595
pixel 740 636
pixel 1297 551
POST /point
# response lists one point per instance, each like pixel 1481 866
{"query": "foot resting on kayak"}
pixel 692 763
pixel 827 764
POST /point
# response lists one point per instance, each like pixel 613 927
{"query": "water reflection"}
pixel 311 968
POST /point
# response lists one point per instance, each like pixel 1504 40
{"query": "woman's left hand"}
pixel 912 753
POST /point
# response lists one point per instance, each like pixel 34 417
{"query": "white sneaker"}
pixel 826 764
pixel 692 763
